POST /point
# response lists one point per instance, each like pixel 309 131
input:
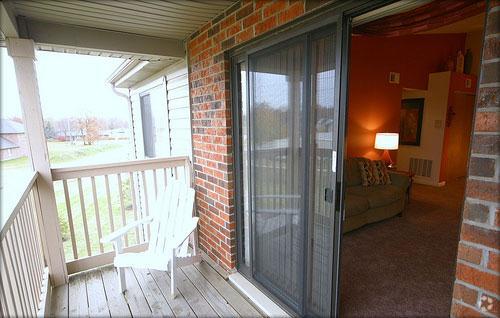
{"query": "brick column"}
pixel 477 285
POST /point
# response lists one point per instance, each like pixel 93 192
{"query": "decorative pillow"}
pixel 380 173
pixel 365 167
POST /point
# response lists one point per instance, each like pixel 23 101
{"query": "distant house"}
pixel 12 140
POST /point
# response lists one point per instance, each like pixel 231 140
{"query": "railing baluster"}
pixel 15 268
pixel 21 263
pixel 110 208
pixel 176 175
pixel 122 206
pixel 134 205
pixel 97 216
pixel 155 183
pixel 36 240
pixel 146 198
pixel 70 219
pixel 165 176
pixel 28 261
pixel 84 217
pixel 8 275
pixel 32 249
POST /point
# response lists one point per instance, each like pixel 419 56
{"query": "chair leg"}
pixel 172 274
pixel 121 270
pixel 121 279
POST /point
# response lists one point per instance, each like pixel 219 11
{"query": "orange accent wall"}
pixel 374 103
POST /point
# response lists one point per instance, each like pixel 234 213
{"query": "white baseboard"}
pixel 264 303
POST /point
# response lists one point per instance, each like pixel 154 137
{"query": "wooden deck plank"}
pixel 98 306
pixel 179 305
pixel 197 302
pixel 153 294
pixel 117 303
pixel 218 303
pixel 77 303
pixel 59 301
pixel 233 297
pixel 136 301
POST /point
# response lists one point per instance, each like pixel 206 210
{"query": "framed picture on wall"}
pixel 412 112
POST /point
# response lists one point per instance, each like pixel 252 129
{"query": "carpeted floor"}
pixel 404 266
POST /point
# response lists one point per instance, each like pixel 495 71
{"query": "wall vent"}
pixel 421 167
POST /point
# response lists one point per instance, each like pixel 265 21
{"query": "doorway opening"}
pixel 412 86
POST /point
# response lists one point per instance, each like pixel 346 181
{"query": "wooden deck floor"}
pixel 202 292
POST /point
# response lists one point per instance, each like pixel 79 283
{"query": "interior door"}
pixel 286 128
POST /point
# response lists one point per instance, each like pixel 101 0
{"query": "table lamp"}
pixel 386 142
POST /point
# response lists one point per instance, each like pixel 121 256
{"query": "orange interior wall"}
pixel 374 103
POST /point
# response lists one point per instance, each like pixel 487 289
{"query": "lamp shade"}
pixel 387 141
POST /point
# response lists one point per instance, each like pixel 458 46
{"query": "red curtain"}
pixel 427 17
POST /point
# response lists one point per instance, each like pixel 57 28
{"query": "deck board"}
pixel 202 292
pixel 98 306
pixel 77 303
pixel 218 303
pixel 117 303
pixel 59 303
pixel 179 305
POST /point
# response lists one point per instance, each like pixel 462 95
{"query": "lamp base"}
pixel 388 160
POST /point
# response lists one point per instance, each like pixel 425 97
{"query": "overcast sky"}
pixel 70 85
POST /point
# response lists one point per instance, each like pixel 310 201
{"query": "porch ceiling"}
pixel 167 22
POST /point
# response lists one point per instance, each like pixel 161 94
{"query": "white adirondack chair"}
pixel 172 227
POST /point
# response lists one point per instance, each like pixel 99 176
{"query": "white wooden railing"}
pixel 95 200
pixel 23 272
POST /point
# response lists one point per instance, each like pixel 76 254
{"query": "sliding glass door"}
pixel 286 132
pixel 277 160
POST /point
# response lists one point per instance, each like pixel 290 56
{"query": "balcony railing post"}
pixel 22 52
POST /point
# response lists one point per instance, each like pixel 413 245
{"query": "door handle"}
pixel 329 195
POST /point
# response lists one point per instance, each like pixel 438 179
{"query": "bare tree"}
pixel 89 129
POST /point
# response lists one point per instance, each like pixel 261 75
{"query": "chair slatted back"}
pixel 172 212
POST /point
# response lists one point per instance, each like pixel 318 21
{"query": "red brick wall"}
pixel 211 113
pixel 477 285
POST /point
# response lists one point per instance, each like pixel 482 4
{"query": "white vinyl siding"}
pixel 171 113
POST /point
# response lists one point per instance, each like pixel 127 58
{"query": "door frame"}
pixel 340 14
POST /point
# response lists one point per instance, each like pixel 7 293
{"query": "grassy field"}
pixel 63 153
pixel 66 152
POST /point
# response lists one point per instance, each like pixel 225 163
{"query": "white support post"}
pixel 22 52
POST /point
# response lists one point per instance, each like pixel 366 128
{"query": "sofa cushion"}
pixel 380 172
pixel 366 171
pixel 377 195
pixel 355 204
pixel 352 175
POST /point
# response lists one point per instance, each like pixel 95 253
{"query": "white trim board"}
pixel 263 303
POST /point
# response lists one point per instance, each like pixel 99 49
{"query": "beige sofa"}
pixel 368 204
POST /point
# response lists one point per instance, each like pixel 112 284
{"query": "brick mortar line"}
pixel 493 35
pixel 486 179
pixel 487 133
pixel 493 9
pixel 479 268
pixel 483 202
pixel 487 156
pixel 482 225
pixel 487 314
pixel 489 85
pixel 478 289
pixel 488 109
pixel 489 61
pixel 480 246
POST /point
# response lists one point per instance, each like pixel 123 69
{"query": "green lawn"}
pixel 65 152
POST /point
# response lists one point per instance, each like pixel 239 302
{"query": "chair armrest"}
pixel 124 230
pixel 400 180
pixel 182 234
